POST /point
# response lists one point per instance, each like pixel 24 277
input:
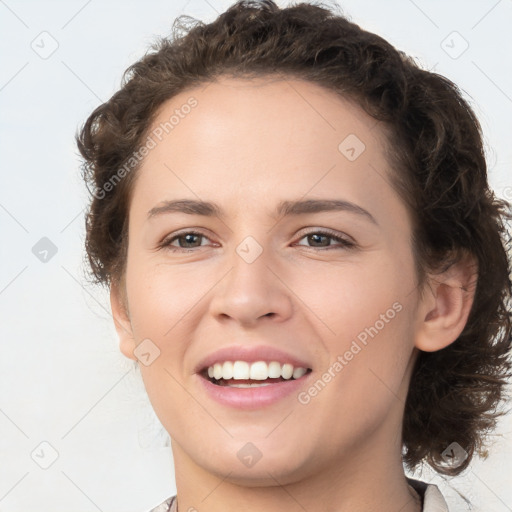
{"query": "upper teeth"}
pixel 259 370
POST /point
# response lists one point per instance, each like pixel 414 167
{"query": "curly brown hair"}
pixel 434 145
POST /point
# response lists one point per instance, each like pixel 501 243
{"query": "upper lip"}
pixel 250 354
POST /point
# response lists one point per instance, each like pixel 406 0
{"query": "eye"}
pixel 317 236
pixel 186 240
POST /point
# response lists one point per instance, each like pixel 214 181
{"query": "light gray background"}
pixel 64 382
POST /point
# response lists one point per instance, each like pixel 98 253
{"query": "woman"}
pixel 305 259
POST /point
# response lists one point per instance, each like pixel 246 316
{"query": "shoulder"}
pixel 166 506
pixel 433 500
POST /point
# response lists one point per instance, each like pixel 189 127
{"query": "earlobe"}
pixel 122 321
pixel 445 309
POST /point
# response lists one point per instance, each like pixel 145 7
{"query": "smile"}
pixel 231 373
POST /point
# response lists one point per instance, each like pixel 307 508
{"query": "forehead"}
pixel 267 103
pixel 247 141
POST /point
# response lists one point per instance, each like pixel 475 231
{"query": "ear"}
pixel 121 317
pixel 446 303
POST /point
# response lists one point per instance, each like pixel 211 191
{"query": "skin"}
pixel 246 146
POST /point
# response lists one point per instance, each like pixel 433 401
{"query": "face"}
pixel 308 261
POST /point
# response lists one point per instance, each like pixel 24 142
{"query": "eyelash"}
pixel 344 243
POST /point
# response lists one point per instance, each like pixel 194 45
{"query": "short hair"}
pixel 435 152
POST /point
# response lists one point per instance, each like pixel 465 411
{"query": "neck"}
pixel 361 482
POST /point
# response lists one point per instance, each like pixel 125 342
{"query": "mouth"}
pixel 242 374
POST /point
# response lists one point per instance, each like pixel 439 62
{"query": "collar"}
pixel 431 497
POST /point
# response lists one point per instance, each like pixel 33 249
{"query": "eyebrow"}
pixel 284 208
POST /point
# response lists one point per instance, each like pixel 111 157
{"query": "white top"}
pixel 430 494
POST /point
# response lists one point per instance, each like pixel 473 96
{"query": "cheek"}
pixel 162 301
pixel 368 358
pixel 161 297
pixel 374 332
pixel 349 298
pixel 366 323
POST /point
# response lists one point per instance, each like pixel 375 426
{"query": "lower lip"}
pixel 252 398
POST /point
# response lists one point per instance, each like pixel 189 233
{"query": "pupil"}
pixel 188 238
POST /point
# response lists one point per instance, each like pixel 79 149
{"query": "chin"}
pixel 270 467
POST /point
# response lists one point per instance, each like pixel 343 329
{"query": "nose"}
pixel 251 292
